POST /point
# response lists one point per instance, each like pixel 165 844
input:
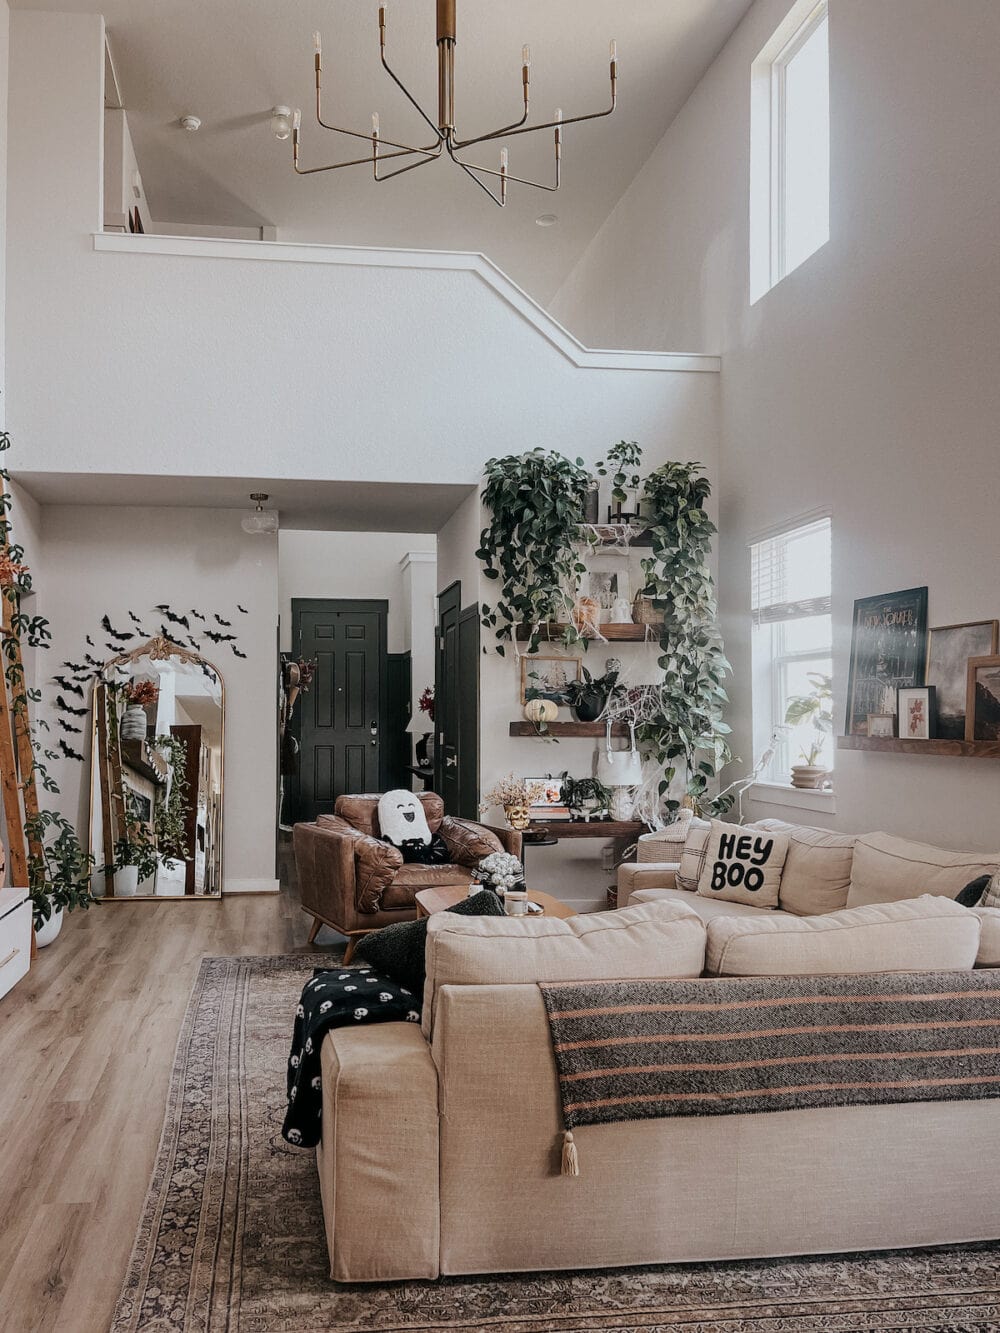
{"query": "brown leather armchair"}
pixel 352 881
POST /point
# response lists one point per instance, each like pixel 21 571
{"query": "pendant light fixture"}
pixel 260 521
pixel 446 139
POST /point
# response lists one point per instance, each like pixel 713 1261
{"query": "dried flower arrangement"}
pixel 512 791
pixel 426 702
pixel 142 692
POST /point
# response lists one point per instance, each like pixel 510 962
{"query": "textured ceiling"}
pixel 230 61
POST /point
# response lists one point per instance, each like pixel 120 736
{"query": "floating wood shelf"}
pixel 900 745
pixel 596 828
pixel 568 729
pixel 139 756
pixel 613 633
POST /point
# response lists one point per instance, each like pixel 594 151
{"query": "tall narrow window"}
pixel 792 644
pixel 790 146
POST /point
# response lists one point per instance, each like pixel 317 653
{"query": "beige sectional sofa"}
pixel 441 1143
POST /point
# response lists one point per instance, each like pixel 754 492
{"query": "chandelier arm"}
pixel 353 162
pixel 356 134
pixel 497 134
pixel 433 157
pixel 409 97
pixel 548 125
pixel 500 203
pixel 504 175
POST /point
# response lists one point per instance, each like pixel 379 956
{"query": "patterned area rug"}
pixel 232 1237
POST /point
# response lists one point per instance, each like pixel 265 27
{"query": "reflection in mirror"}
pixel 156 781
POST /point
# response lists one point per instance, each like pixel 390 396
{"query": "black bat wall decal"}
pixel 77 668
pixel 64 707
pixel 136 621
pixel 68 751
pixel 226 624
pixel 242 608
pixel 194 643
pixel 115 634
pixel 92 661
pixel 176 620
pixel 197 615
pixel 91 642
pixel 219 638
pixel 68 726
pixel 236 650
pixel 68 685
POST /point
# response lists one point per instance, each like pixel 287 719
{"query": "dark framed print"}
pixel 550 676
pixel 949 650
pixel 888 653
pixel 982 700
pixel 916 712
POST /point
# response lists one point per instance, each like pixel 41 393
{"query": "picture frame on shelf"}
pixel 950 648
pixel 882 724
pixel 982 704
pixel 607 581
pixel 549 675
pixel 888 653
pixel 916 712
pixel 551 805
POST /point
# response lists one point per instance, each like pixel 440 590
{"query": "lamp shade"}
pixel 620 768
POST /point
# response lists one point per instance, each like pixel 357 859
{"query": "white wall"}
pixel 116 560
pixel 868 379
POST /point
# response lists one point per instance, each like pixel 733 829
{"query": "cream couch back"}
pixel 655 940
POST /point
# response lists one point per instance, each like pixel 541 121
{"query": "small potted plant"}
pixel 516 796
pixel 138 695
pixel 588 799
pixel 622 465
pixel 588 697
pixel 815 707
pixel 58 875
pixel 135 858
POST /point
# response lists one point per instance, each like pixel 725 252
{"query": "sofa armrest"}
pixel 376 863
pixel 989 938
pixel 648 875
pixel 324 866
pixel 467 842
pixel 378 1160
pixel 510 838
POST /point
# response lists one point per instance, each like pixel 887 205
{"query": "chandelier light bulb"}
pixel 297 120
pixel 375 124
pixel 503 159
pixel 526 56
pixel 613 50
pixel 318 43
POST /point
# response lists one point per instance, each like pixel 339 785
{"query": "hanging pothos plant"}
pixel 535 501
pixel 687 728
pixel 59 869
pixel 169 820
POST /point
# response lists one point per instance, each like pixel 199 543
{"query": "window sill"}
pixel 796 798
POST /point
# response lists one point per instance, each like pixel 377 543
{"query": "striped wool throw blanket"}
pixel 632 1050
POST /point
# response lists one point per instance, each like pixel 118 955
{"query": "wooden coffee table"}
pixel 429 901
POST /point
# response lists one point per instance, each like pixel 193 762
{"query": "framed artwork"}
pixel 982 701
pixel 917 712
pixel 606 580
pixel 549 675
pixel 949 650
pixel 888 653
pixel 881 724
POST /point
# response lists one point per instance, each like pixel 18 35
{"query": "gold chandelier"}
pixel 446 139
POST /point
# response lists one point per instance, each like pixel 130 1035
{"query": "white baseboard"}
pixel 250 886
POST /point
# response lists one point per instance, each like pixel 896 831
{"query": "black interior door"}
pixel 446 700
pixel 341 719
pixel 468 713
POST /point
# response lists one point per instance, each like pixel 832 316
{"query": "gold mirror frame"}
pixel 157 649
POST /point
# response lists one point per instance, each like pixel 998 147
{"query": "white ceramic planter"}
pixel 126 881
pixel 50 930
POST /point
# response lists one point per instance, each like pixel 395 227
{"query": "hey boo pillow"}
pixel 743 865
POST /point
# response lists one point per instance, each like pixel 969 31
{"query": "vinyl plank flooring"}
pixel 86 1046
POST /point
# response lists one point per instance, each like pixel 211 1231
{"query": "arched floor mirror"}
pixel 156 794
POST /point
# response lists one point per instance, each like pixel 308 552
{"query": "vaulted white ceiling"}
pixel 230 61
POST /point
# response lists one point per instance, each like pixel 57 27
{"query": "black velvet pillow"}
pixel 398 950
pixel 973 892
pixel 433 853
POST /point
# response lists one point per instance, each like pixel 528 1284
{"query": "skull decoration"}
pixel 327 1004
pixel 294 1136
pixel 360 1013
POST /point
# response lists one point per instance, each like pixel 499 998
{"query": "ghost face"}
pixel 401 818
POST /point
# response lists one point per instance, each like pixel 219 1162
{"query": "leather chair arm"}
pixel 324 864
pixel 376 864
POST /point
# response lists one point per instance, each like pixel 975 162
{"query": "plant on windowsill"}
pixel 536 503
pixel 815 707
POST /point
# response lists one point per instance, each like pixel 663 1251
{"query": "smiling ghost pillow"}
pixel 402 821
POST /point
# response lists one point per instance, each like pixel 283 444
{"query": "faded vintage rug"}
pixel 231 1237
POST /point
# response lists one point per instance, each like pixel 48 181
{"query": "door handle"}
pixel 451 761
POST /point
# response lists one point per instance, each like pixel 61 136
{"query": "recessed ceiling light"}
pixel 546 220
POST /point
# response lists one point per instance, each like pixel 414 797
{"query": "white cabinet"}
pixel 15 937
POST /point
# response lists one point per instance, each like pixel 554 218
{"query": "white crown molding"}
pixel 418 558
pixel 455 261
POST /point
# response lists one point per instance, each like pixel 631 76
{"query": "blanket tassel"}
pixel 570 1159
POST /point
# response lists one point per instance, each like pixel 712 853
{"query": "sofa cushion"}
pixel 661 939
pixel 743 865
pixel 816 877
pixel 922 934
pixel 707 908
pixel 989 940
pixel 692 857
pixel 399 950
pixel 410 879
pixel 888 869
pixel 991 893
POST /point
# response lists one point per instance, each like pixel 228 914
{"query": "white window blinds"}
pixel 790 574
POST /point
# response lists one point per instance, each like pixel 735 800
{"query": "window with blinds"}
pixel 790 575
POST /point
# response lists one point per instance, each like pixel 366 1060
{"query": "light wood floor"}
pixel 86 1046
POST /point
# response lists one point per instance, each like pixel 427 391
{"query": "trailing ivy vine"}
pixel 688 729
pixel 169 819
pixel 59 870
pixel 535 501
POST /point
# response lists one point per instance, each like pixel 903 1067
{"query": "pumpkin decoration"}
pixel 541 710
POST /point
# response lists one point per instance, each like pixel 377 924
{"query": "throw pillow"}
pixel 991 895
pixel 743 865
pixel 401 818
pixel 398 950
pixel 692 861
pixel 972 894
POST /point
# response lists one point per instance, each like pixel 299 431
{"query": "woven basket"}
pixel 646 612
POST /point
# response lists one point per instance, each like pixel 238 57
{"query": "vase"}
pixel 589 706
pixel 809 777
pixel 133 723
pixel 126 881
pixel 48 931
pixel 518 816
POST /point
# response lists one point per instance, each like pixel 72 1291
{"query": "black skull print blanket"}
pixel 336 998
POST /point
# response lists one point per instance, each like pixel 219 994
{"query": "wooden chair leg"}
pixel 317 926
pixel 349 951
